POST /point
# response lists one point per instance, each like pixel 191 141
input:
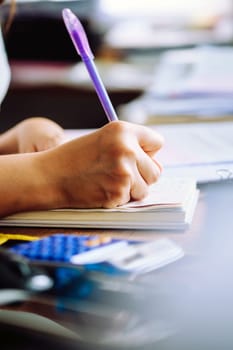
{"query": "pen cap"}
pixel 77 34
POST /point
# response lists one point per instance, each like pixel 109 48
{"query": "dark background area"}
pixel 71 108
pixel 38 34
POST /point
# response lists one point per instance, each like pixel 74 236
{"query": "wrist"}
pixel 48 194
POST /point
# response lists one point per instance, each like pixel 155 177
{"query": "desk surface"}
pixel 199 287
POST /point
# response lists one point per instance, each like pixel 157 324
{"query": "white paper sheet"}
pixel 200 150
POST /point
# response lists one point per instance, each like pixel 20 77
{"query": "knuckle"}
pixel 118 127
pixel 117 193
pixel 121 173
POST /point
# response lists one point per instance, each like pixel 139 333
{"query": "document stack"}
pixel 189 85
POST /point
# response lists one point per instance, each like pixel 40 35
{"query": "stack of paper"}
pixel 170 205
pixel 200 150
pixel 189 85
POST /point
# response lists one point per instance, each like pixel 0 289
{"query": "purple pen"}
pixel 81 44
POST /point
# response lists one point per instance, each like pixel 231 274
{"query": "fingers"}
pixel 139 146
pixel 49 135
pixel 38 134
pixel 40 143
pixel 149 140
pixel 148 169
pixel 145 173
pixel 46 142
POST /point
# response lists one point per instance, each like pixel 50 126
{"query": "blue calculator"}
pixel 62 247
pixel 102 252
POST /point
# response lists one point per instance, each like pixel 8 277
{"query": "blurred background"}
pixel 163 62
pixel 147 53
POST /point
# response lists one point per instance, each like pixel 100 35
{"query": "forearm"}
pixel 23 185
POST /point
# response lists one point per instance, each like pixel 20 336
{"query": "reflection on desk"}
pixel 196 292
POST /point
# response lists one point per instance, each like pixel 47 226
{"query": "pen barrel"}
pixel 100 90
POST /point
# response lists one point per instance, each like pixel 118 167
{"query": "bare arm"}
pixel 103 169
pixel 22 185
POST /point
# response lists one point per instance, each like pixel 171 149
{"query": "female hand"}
pixel 31 135
pixel 38 134
pixel 105 168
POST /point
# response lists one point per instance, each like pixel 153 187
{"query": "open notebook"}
pixel 170 205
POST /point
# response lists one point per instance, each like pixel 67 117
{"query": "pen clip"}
pixel 77 32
